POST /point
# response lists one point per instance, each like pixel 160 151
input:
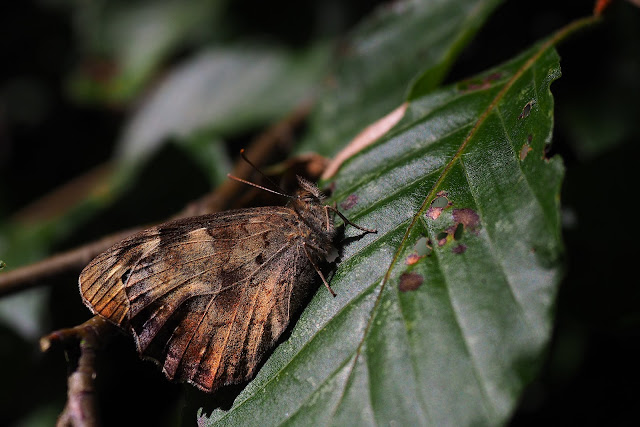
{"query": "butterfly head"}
pixel 309 203
pixel 309 192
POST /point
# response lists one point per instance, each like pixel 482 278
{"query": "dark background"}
pixel 590 372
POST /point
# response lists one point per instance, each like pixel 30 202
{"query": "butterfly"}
pixel 206 297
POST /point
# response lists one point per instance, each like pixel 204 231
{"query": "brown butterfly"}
pixel 205 297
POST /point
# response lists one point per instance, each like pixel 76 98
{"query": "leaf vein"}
pixel 481 120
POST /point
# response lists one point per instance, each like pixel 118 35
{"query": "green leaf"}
pixel 24 313
pixel 221 91
pixel 214 94
pixel 124 44
pixel 451 337
pixel 402 42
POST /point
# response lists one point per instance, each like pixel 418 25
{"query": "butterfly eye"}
pixel 311 199
pixel 306 197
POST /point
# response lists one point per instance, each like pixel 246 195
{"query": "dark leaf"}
pixel 454 337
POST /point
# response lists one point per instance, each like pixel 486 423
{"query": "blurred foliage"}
pixel 80 79
pixel 124 43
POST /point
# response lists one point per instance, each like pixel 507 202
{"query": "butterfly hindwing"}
pixel 205 296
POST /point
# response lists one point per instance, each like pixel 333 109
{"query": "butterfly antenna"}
pixel 246 159
pixel 235 178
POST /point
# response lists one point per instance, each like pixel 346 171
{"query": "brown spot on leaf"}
pixel 467 217
pixel 349 202
pixel 479 83
pixel 440 203
pixel 421 249
pixel 459 249
pixel 526 147
pixel 455 231
pixel 441 237
pixel 434 213
pixel 527 109
pixel 410 282
pixel 524 151
pixel 412 259
pixel 478 86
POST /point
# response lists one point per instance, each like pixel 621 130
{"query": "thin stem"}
pixel 85 339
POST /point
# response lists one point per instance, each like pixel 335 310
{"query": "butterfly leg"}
pixel 346 220
pixel 326 214
pixel 326 284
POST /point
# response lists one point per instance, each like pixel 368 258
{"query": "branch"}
pixel 80 410
pixel 277 138
pixel 261 150
pixel 33 274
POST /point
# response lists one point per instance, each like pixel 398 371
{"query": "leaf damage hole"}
pixel 468 218
pixel 440 203
pixel 410 282
pixel 441 237
pixel 527 109
pixel 457 234
pixel 465 219
pixel 421 249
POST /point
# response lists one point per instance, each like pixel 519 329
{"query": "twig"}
pixel 259 151
pixel 80 410
pixel 32 275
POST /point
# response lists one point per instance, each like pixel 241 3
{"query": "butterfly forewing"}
pixel 205 297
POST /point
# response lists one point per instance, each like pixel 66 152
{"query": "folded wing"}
pixel 204 297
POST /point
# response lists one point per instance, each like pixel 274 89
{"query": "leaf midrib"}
pixel 558 36
pixel 561 34
pixel 401 129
